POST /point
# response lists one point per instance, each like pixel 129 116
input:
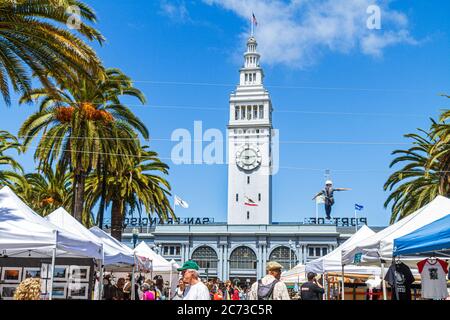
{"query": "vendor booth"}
pixel 428 240
pixel 332 264
pixel 380 246
pixel 377 250
pixel 31 246
pixel 160 266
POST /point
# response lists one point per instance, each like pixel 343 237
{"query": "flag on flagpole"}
pixel 358 207
pixel 250 202
pixel 180 202
pixel 255 22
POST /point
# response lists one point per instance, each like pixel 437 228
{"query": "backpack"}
pixel 265 291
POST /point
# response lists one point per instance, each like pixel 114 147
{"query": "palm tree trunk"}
pixel 78 196
pixel 101 209
pixel 117 219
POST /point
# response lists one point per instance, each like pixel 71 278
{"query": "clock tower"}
pixel 249 145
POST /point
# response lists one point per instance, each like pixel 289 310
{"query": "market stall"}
pixel 377 250
pixel 380 246
pixel 160 266
pixel 428 240
pixel 30 245
pixel 332 262
pixel 296 275
pixel 431 240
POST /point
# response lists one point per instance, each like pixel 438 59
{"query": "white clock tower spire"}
pixel 249 141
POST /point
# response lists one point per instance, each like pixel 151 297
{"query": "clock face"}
pixel 248 157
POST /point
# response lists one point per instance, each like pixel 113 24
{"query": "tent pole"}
pixel 383 281
pixel 170 282
pixel 343 284
pixel 100 278
pixel 53 272
pixel 133 281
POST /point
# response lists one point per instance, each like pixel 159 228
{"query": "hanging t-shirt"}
pixel 400 278
pixel 434 282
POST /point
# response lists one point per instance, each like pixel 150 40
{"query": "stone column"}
pixel 298 252
pixel 264 262
pixel 220 262
pixel 183 253
pixel 303 253
pixel 260 262
pixel 226 272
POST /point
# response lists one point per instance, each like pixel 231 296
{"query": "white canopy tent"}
pixel 116 253
pixel 26 234
pixel 332 262
pixel 380 246
pixel 296 275
pixel 160 265
pixel 62 219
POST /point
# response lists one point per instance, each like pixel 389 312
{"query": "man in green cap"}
pixel 270 287
pixel 196 289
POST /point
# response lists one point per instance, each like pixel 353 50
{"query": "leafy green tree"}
pixel 138 185
pixel 84 127
pixel 35 41
pixel 10 169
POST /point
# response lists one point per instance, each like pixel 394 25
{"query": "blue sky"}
pixel 361 89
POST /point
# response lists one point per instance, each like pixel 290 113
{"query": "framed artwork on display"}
pixel 11 274
pixel 61 273
pixel 59 290
pixel 7 291
pixel 79 273
pixel 78 290
pixel 31 273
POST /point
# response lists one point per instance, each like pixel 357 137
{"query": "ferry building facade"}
pixel 239 249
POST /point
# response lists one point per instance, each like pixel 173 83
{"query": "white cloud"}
pixel 176 11
pixel 298 32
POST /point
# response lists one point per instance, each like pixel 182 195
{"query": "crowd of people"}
pixel 191 287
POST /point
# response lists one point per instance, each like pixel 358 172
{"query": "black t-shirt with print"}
pixel 400 278
pixel 311 291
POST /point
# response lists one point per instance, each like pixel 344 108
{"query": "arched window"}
pixel 243 258
pixel 205 257
pixel 282 256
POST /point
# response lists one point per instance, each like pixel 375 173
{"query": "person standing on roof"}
pixel 328 194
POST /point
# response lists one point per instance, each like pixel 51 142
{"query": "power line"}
pixel 291 110
pixel 241 140
pixel 215 84
pixel 225 163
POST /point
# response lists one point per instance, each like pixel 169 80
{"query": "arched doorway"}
pixel 206 258
pixel 243 264
pixel 284 256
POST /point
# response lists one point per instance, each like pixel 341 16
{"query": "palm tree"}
pixel 83 126
pixel 419 181
pixel 137 185
pixel 14 173
pixel 46 191
pixel 34 40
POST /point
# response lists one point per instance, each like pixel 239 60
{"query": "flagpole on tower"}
pixel 252 25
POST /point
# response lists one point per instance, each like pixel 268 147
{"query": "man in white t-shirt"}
pixel 196 289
